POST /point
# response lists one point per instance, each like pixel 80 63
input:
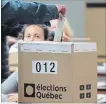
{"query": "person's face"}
pixel 34 33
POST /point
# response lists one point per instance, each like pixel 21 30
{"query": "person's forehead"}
pixel 34 27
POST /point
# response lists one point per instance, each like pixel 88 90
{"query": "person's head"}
pixel 35 32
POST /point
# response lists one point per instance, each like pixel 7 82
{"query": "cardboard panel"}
pixel 95 25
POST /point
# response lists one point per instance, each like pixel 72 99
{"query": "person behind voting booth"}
pixel 35 32
pixel 15 12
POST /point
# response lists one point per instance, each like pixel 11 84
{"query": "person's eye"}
pixel 28 36
pixel 38 36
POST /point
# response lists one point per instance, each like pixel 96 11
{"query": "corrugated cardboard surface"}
pixel 95 25
pixel 13 61
pixel 74 69
pixel 13 58
pixel 84 73
pixel 63 78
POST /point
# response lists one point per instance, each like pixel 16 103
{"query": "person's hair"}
pixel 44 27
pixel 51 35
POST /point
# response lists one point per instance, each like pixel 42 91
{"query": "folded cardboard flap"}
pixel 13 68
pixel 13 58
pixel 57 47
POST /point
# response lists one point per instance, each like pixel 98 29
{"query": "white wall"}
pixel 96 1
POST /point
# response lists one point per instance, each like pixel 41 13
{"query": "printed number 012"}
pixel 38 66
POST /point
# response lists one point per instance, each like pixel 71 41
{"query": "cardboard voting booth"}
pixel 57 72
pixel 13 61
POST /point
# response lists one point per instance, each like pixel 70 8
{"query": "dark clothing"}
pixel 4 59
pixel 14 12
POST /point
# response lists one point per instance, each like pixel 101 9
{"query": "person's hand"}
pixel 13 97
pixel 61 9
pixel 66 37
